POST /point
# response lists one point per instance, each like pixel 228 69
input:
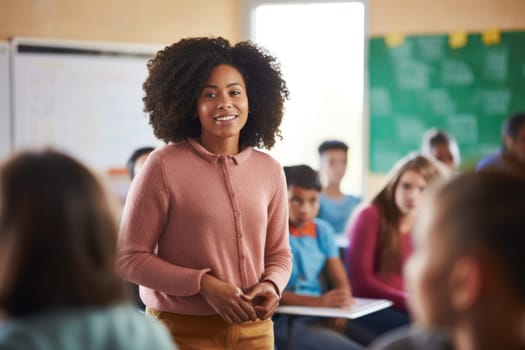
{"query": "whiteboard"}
pixel 81 98
pixel 5 113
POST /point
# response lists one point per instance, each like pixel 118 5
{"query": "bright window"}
pixel 321 47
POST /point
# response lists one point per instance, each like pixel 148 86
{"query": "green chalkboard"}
pixel 425 83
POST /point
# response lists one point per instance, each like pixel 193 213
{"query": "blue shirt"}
pixel 106 328
pixel 490 160
pixel 310 251
pixel 337 211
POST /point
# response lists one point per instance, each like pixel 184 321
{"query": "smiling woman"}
pixel 205 231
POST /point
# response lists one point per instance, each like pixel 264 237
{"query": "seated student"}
pixel 135 162
pixel 58 284
pixel 380 238
pixel 137 159
pixel 466 278
pixel 335 206
pixel 512 154
pixel 441 146
pixel 314 253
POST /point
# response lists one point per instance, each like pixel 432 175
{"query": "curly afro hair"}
pixel 178 73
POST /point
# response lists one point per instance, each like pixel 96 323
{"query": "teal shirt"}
pixel 337 211
pixel 113 328
pixel 309 259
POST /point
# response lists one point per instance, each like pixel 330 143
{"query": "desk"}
pixel 341 240
pixel 361 307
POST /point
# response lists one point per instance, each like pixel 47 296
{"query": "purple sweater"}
pixel 366 281
pixel 189 212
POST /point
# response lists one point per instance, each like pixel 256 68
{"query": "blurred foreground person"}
pixel 58 284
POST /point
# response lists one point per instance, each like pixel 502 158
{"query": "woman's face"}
pixel 222 105
pixel 409 191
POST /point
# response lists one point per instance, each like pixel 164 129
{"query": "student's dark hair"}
pixel 332 145
pixel 302 176
pixel 486 210
pixel 513 124
pixel 133 158
pixel 436 137
pixel 63 235
pixel 178 73
pixel 389 242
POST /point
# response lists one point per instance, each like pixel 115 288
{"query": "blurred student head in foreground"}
pixel 58 245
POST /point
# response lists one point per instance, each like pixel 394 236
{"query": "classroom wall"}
pixel 152 21
pixel 432 17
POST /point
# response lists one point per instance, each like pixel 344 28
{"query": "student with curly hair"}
pixel 205 226
pixel 58 285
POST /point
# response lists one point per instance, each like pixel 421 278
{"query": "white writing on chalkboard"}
pixel 409 128
pixel 495 67
pixel 380 99
pixel 439 101
pixel 494 101
pixel 412 75
pixel 464 127
pixel 431 48
pixel 455 72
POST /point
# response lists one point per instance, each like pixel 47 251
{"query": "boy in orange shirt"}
pixel 316 267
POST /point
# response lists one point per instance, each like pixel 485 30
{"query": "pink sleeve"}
pixel 277 255
pixel 364 234
pixel 143 221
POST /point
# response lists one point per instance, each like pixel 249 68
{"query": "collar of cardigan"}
pixel 237 159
